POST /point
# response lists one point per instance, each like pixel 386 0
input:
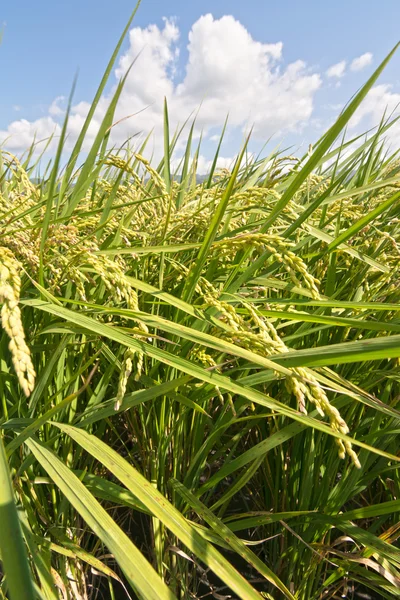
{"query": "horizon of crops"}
pixel 200 381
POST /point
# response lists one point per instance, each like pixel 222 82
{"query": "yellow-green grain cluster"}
pixel 10 287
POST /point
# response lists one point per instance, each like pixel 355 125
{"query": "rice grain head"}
pixel 10 285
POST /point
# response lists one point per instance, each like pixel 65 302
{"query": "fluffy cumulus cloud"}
pixel 359 63
pixel 381 100
pixel 21 134
pixel 55 108
pixel 337 70
pixel 227 71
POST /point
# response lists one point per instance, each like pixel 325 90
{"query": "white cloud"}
pixel 337 70
pixel 21 134
pixel 361 62
pixel 227 71
pixel 379 101
pixel 55 110
pixel 204 164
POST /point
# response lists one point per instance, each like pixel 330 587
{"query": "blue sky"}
pixel 45 43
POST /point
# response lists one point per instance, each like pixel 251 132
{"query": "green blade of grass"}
pixel 140 574
pixel 373 510
pixel 234 542
pixel 328 303
pixel 78 144
pixel 252 454
pixel 185 170
pixel 163 510
pixel 87 175
pixel 363 222
pixel 167 157
pixel 194 274
pixel 149 249
pixel 338 321
pixel 52 186
pixel 106 410
pixel 216 155
pixel 325 237
pixel 347 352
pixel 13 553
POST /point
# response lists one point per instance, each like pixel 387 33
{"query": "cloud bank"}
pixel 227 71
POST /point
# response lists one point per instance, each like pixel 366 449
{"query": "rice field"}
pixel 200 381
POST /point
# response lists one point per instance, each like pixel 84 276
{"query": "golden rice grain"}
pixel 10 285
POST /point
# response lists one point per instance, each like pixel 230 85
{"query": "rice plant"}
pixel 200 382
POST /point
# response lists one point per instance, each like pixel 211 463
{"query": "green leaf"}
pixel 163 510
pixel 185 169
pixel 79 142
pixel 363 222
pixel 139 573
pixel 215 159
pixel 52 186
pixel 13 552
pixel 87 175
pixel 347 352
pixel 98 413
pixel 303 317
pixel 209 238
pixel 226 534
pixel 167 158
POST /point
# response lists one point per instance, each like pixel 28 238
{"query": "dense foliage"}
pixel 200 382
